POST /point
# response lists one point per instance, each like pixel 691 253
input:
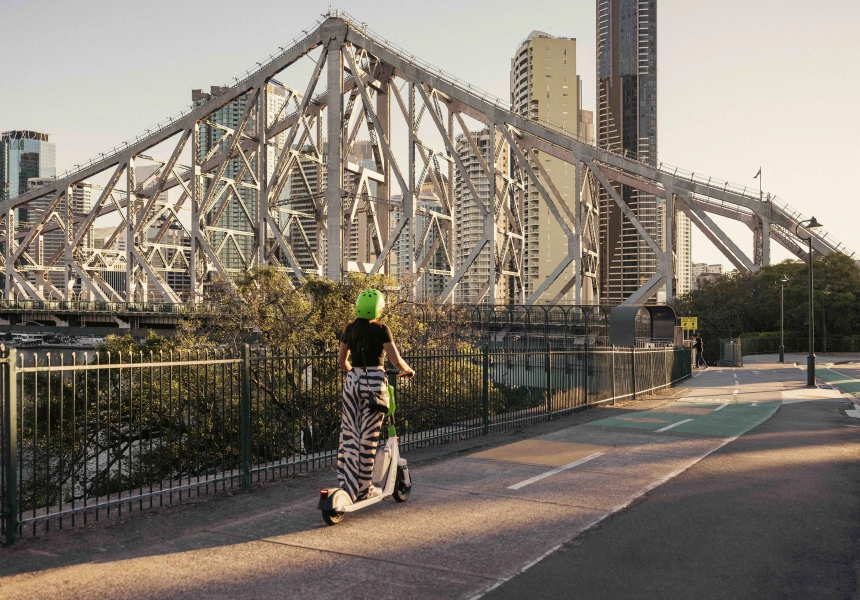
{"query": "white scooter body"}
pixel 336 500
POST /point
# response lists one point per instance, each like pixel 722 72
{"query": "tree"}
pixel 266 308
pixel 748 304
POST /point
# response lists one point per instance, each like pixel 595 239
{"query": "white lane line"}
pixel 699 373
pixel 609 513
pixel 531 480
pixel 674 425
pixel 846 377
pixel 736 375
pixel 721 406
pixel 843 375
pixel 754 404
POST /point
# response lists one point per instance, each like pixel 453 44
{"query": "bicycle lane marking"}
pixel 847 384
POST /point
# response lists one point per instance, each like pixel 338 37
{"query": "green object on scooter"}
pixel 392 406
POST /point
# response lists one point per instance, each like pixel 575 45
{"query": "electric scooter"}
pixel 390 473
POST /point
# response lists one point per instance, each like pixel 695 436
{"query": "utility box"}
pixel 731 353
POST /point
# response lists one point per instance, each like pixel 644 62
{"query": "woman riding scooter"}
pixel 363 346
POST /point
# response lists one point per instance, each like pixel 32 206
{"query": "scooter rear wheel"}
pixel 331 517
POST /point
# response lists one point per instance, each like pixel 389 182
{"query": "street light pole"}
pixel 783 280
pixel 824 293
pixel 810 359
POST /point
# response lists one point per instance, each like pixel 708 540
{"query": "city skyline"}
pixel 755 138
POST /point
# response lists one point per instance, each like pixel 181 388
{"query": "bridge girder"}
pixel 244 175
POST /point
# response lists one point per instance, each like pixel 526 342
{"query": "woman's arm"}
pixel 397 360
pixel 343 358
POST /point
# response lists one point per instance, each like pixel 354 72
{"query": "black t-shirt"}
pixel 698 345
pixel 370 346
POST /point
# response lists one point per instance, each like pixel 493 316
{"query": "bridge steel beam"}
pixel 235 216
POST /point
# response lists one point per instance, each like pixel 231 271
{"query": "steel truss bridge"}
pixel 414 115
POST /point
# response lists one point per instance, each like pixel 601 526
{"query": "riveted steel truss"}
pixel 262 174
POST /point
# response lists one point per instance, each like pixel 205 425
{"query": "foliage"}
pixel 745 304
pixel 267 308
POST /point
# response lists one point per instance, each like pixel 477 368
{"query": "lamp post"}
pixel 782 281
pixel 809 225
pixel 825 292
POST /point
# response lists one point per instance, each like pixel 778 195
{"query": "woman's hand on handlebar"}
pixel 407 373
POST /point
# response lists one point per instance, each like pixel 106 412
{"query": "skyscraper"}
pixel 237 220
pixel 683 254
pixel 545 87
pixel 469 218
pixel 432 279
pixel 627 124
pixel 24 155
pixel 308 180
pixel 53 241
pixel 357 220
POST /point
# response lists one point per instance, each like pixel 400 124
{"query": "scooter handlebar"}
pixel 399 373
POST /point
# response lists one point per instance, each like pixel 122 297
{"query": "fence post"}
pixel 614 394
pixel 633 369
pixel 485 387
pixel 10 440
pixel 587 365
pixel 548 363
pixel 245 418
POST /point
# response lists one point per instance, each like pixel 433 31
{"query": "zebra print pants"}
pixel 359 432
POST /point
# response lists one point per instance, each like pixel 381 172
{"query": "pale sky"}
pixel 741 84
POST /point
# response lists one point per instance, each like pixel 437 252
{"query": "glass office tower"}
pixel 24 155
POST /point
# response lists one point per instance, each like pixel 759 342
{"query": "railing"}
pixel 770 345
pixel 90 440
pixel 82 306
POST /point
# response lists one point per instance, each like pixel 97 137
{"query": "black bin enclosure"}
pixel 631 322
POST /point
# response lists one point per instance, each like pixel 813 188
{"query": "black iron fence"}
pixel 770 345
pixel 93 439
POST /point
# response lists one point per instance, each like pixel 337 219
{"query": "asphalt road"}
pixel 761 501
pixel 775 514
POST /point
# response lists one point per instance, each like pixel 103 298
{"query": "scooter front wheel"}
pixel 401 490
pixel 332 517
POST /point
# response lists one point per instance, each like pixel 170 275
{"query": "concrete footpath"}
pixel 507 515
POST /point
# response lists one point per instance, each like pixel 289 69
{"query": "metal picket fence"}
pixel 770 345
pixel 91 440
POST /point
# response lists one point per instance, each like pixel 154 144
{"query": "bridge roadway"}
pixel 760 502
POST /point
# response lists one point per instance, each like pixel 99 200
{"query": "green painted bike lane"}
pixel 845 383
pixel 728 419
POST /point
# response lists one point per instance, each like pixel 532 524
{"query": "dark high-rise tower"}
pixel 627 123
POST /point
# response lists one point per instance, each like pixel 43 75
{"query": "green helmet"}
pixel 369 304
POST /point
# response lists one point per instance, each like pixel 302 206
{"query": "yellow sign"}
pixel 691 323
